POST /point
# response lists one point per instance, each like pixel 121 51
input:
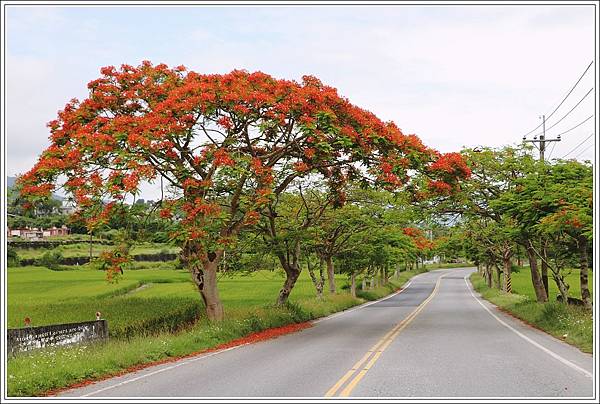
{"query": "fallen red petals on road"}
pixel 248 339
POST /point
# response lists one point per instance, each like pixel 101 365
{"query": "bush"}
pixel 12 258
pixel 51 259
pixel 111 234
pixel 160 237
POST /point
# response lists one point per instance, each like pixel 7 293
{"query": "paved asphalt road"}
pixel 434 339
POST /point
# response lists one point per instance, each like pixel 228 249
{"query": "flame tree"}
pixel 227 145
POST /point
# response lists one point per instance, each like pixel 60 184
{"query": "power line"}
pixel 584 150
pixel 551 151
pixel 576 126
pixel 568 130
pixel 571 90
pixel 567 114
pixel 564 99
pixel 578 146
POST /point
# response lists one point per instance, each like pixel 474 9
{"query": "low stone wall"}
pixel 26 339
pixel 160 257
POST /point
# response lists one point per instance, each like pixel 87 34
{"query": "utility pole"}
pixel 542 148
pixel 542 140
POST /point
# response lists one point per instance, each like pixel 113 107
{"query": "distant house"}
pixel 35 234
pixel 32 234
pixel 56 231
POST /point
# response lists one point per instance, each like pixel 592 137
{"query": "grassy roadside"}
pixel 571 324
pixel 38 372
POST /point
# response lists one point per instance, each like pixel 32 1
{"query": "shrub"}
pixel 51 259
pixel 111 234
pixel 160 237
pixel 12 258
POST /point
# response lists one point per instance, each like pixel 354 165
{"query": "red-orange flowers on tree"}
pixel 218 140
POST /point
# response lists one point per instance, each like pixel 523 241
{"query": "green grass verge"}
pixel 248 304
pixel 571 324
pixel 521 283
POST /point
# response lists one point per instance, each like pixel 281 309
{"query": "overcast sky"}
pixel 454 75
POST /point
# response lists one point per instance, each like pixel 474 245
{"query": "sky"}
pixel 457 76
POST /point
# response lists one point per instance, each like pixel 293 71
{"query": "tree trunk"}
pixel 536 280
pixel 563 288
pixel 583 272
pixel 364 284
pixel 353 284
pixel 292 273
pixel 204 275
pixel 318 284
pixel 330 274
pixel 210 293
pixel 507 274
pixel 292 270
pixel 498 277
pixel 545 270
pixel 488 275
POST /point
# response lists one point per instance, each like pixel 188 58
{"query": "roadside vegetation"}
pixel 572 324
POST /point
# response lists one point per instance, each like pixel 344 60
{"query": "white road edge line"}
pixel 238 346
pixel 526 338
pixel 163 370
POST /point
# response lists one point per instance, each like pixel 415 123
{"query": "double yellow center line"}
pixel 358 370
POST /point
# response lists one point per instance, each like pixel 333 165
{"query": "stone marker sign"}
pixel 25 339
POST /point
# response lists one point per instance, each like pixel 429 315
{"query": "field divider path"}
pixel 377 350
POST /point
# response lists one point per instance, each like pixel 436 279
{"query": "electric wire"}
pixel 584 150
pixel 552 150
pixel 576 126
pixel 567 114
pixel 564 99
pixel 578 146
pixel 567 131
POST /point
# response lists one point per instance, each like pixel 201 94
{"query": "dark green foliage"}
pixel 51 259
pixel 12 258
